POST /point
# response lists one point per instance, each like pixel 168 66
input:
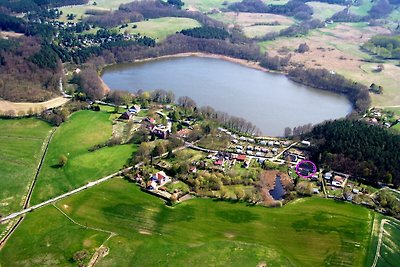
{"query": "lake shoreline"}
pixel 243 62
pixel 200 75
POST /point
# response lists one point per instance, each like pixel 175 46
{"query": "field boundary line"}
pixel 101 251
pixel 81 225
pixel 39 167
pixel 378 247
pixel 27 199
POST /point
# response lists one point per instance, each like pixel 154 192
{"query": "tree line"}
pixel 331 81
pixel 387 47
pixel 357 148
pixel 297 9
pixel 35 5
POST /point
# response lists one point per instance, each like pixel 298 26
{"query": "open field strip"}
pixel 21 147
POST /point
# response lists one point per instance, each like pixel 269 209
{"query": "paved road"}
pixel 47 202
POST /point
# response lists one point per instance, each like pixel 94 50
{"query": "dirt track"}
pixel 23 108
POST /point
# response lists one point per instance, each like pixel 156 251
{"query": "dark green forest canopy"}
pixel 359 149
pixel 34 5
pixel 207 33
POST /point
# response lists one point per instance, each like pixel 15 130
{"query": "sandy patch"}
pixel 23 108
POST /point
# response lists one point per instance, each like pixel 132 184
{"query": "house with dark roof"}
pixel 134 109
pixel 126 116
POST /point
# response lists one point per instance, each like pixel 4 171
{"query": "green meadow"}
pixel 323 11
pixel 307 232
pixel 73 139
pixel 21 148
pixel 161 28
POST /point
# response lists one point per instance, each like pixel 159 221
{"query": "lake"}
pixel 270 101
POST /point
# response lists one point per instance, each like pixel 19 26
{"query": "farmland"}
pixel 184 235
pixel 255 24
pixel 21 148
pixel 84 130
pixel 337 48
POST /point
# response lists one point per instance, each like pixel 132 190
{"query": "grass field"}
pixel 362 10
pixel 205 231
pixel 323 11
pixel 161 28
pixel 82 131
pixel 21 143
pixel 205 5
pixel 48 238
pixel 80 10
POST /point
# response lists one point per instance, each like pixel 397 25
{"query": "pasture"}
pixel 203 231
pixel 73 139
pixel 21 148
pixel 323 11
pixel 161 28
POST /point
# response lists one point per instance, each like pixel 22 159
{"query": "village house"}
pixel 160 178
pixel 126 116
pixel 134 109
pixel 338 181
pixel 328 176
pixel 184 133
pixel 151 185
pixel 306 143
pixel 241 158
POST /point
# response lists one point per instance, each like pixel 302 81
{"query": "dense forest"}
pixel 20 79
pixel 387 47
pixel 359 149
pixel 331 81
pixel 207 33
pixel 34 5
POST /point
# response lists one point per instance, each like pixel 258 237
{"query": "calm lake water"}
pixel 270 101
